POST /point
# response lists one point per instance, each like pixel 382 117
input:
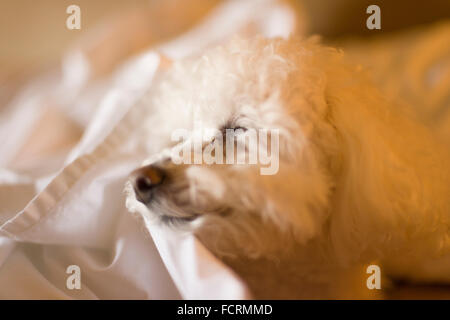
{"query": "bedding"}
pixel 67 208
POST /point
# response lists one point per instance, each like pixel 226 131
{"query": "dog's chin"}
pixel 176 208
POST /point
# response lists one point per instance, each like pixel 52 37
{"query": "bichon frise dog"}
pixel 352 177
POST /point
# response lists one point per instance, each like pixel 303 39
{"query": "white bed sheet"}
pixel 78 215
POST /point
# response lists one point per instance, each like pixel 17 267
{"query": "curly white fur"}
pixel 360 178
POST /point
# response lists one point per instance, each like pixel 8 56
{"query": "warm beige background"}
pixel 33 33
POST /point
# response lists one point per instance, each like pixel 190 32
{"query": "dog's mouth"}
pixel 168 201
pixel 171 197
pixel 173 220
pixel 172 204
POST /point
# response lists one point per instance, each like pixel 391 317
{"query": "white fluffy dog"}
pixel 360 179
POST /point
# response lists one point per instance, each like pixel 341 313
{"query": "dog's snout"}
pixel 145 180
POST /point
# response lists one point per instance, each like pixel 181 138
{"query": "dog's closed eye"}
pixel 232 125
pixel 236 130
pixel 228 132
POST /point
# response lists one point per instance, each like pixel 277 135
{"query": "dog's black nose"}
pixel 145 180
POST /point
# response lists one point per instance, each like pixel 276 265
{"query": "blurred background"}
pixel 33 35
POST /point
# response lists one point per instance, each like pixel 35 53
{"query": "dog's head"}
pixel 243 129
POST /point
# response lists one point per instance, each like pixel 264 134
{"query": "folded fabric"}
pixel 77 216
